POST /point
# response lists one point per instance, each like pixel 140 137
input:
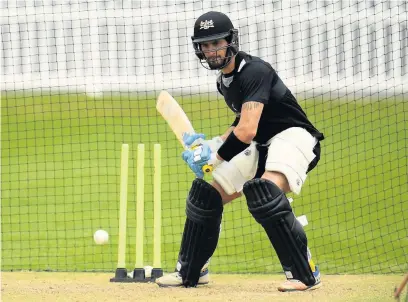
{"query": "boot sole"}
pixel 178 285
pixel 316 286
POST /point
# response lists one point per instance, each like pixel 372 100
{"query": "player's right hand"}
pixel 196 166
pixel 191 140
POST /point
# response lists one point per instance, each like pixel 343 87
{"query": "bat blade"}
pixel 177 119
pixel 174 115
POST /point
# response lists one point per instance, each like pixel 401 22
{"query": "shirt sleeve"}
pixel 256 82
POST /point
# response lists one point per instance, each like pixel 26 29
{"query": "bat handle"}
pixel 207 168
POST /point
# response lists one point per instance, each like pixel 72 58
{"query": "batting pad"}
pixel 270 207
pixel 201 230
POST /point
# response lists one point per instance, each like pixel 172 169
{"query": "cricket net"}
pixel 80 78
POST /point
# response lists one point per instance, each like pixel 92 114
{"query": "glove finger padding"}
pixel 202 155
pixel 193 139
pixel 232 175
pixel 188 157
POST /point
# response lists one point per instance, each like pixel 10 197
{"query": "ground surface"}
pixel 44 286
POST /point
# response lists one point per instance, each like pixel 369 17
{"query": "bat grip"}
pixel 207 168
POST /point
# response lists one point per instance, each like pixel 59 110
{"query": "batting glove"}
pixel 193 139
pixel 197 159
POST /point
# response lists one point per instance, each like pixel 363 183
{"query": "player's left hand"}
pixel 197 158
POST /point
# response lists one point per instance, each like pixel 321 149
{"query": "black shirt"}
pixel 255 80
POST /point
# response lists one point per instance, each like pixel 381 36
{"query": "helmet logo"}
pixel 206 24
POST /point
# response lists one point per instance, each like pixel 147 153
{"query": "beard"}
pixel 216 62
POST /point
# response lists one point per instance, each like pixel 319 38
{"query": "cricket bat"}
pixel 177 119
pixel 400 288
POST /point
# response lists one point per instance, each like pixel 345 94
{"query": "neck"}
pixel 230 67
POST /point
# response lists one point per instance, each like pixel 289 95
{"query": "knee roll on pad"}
pixel 204 205
pixel 266 201
pixel 201 231
pixel 270 207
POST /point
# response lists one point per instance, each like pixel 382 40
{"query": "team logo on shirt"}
pixel 206 24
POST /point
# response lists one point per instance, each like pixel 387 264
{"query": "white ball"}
pixel 148 271
pixel 101 237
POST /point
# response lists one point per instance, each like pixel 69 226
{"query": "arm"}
pixel 247 127
pixel 248 124
pixel 255 86
pixel 227 133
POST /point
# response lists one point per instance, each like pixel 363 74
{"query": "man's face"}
pixel 215 52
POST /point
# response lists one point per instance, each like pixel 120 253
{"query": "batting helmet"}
pixel 214 26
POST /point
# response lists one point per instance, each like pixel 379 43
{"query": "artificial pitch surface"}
pixel 60 182
pixel 46 286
